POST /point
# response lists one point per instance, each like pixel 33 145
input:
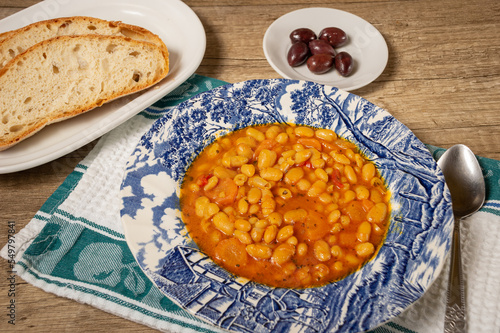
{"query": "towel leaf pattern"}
pixel 109 272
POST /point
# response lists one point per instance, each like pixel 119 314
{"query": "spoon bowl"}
pixel 464 178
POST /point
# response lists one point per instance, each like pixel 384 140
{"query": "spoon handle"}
pixel 454 321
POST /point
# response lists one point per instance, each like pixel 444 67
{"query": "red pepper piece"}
pixel 336 178
pixel 203 180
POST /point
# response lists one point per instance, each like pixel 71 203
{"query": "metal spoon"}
pixel 466 183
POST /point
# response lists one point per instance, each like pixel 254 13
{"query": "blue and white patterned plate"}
pixel 409 261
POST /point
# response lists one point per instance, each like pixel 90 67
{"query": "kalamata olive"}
pixel 335 36
pixel 320 63
pixel 343 63
pixel 319 46
pixel 297 54
pixel 302 35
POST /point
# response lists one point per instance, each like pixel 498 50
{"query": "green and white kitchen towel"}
pixel 75 246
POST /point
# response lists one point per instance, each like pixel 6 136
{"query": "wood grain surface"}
pixel 442 80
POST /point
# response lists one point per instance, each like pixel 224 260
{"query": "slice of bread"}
pixel 65 76
pixel 4 35
pixel 17 41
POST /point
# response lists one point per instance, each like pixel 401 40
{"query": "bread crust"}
pixel 17 41
pixel 5 34
pixel 65 42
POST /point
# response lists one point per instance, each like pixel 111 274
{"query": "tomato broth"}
pixel 285 205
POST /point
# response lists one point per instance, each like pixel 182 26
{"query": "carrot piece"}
pixel 266 144
pixel 347 239
pixel 310 143
pixel 367 205
pixel 224 193
pixel 231 253
pixel 355 211
pixel 314 227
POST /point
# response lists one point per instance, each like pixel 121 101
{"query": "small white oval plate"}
pixel 366 45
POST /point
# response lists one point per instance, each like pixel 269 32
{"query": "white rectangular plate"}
pixel 173 21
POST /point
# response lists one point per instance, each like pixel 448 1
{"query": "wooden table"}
pixel 442 80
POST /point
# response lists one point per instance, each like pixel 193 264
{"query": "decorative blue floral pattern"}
pixel 411 258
